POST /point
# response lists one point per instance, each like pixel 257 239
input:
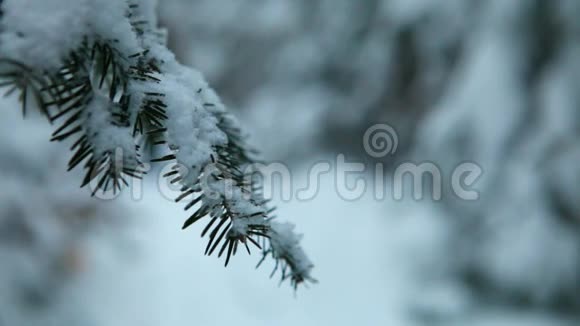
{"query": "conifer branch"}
pixel 112 99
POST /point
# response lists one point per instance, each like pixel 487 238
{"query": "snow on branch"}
pixel 100 71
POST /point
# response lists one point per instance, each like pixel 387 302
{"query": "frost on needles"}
pixel 99 70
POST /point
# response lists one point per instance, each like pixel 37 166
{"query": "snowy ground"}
pixel 367 257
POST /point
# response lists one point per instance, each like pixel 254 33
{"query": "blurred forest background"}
pixel 495 82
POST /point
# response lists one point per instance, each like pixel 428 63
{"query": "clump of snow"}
pixel 286 245
pixel 42 33
pixel 190 127
pixel 106 137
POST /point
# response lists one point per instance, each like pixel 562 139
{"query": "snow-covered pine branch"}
pixel 99 71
